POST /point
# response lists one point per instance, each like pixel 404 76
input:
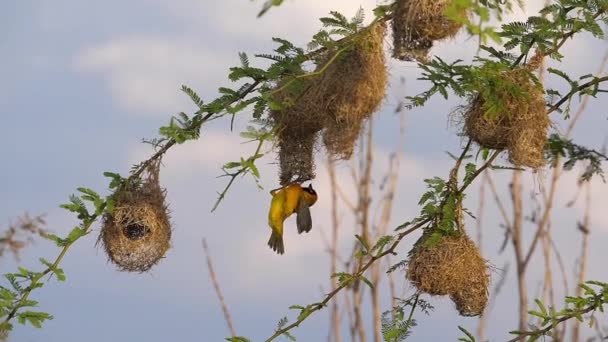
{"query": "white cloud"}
pixel 144 74
pixel 295 20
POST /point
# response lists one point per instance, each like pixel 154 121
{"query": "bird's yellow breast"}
pixel 284 203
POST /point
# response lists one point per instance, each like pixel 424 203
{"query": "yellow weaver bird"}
pixel 285 201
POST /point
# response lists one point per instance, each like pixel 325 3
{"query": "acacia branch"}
pixel 358 274
pixel 597 304
pixel 36 281
pixel 576 90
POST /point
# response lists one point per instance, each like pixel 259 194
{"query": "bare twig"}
pixel 517 240
pixel 479 224
pixel 218 290
pixel 19 234
pixel 582 268
pixel 335 313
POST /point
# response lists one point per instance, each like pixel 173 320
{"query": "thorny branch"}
pixel 595 305
pixel 36 281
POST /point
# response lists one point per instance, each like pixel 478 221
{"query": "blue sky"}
pixel 83 82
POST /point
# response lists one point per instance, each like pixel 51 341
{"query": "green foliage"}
pixel 594 298
pixel 482 12
pixel 14 299
pixel 281 324
pixel 398 266
pixel 382 243
pixel 180 129
pixel 468 336
pixel 439 205
pixel 484 78
pixel 546 33
pixel 339 26
pixel 268 5
pixel 558 148
pixel 238 339
pixel 395 325
pixel 35 318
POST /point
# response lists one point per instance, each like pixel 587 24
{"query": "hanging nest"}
pixel 299 122
pixel 350 90
pixel 472 301
pixel 521 123
pixel 417 24
pixel 296 156
pixel 454 267
pixel 340 139
pixel 137 234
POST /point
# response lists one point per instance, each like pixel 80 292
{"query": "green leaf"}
pixel 238 339
pixel 33 317
pixel 469 336
pixel 6 326
pixel 75 234
pixel 367 281
pixel 282 322
pixel 470 170
pixel 89 192
pixel 433 240
pixel 363 242
pixel 541 305
pixel 537 314
pixel 58 241
pixel 344 279
pixel 382 242
pixel 426 197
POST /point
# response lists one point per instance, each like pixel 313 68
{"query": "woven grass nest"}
pixel 417 24
pixel 452 267
pixel 521 126
pixel 334 102
pixel 137 234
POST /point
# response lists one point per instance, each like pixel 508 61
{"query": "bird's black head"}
pixel 310 190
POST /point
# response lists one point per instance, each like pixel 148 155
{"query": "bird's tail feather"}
pixel 276 243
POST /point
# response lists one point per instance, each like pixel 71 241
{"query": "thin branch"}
pixel 239 172
pixel 481 327
pixel 574 91
pixel 541 332
pixel 218 290
pixel 320 305
pixel 517 240
pixel 335 313
pixel 37 279
pixel 582 271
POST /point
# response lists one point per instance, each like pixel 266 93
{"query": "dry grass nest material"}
pixel 453 267
pixel 137 234
pixel 347 87
pixel 417 24
pixel 520 127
